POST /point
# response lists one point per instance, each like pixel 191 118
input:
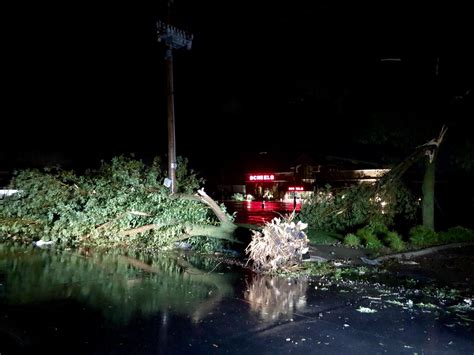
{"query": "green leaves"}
pixel 334 210
pixel 96 207
pixel 421 236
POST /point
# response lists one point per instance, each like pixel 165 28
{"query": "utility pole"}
pixel 173 38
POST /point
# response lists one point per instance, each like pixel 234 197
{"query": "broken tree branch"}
pixel 425 149
pixel 214 206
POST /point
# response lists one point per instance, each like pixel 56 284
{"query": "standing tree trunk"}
pixel 428 189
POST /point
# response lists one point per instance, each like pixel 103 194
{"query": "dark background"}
pixel 85 80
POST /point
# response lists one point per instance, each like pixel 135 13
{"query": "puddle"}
pixel 117 303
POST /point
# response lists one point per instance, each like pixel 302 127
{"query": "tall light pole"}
pixel 173 38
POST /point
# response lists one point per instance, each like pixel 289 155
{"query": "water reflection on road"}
pixel 121 285
pixel 83 302
pixel 253 212
pixel 41 290
pixel 275 297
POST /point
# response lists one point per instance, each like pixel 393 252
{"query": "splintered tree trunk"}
pixel 428 189
pixel 225 230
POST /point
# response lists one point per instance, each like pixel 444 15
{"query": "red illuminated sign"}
pixel 295 188
pixel 262 177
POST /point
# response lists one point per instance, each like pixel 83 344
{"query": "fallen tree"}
pixel 279 246
pixel 123 203
pixel 381 202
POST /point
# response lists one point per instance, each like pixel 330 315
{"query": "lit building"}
pixel 264 181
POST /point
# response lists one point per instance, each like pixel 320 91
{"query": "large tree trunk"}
pixel 226 229
pixel 428 189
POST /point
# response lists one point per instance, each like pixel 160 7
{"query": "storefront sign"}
pixel 268 177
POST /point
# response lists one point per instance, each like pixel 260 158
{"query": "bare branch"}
pixel 214 207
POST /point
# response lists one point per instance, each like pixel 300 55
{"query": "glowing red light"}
pixel 269 177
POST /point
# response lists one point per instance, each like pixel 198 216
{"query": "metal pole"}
pixel 171 122
pixel 294 192
pixel 174 38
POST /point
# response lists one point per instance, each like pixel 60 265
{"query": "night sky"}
pixel 87 79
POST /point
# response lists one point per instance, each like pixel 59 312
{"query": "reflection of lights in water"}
pixel 271 206
pixel 251 212
pixel 164 318
pixel 273 297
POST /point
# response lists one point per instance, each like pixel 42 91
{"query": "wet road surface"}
pixel 65 302
pixel 254 212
